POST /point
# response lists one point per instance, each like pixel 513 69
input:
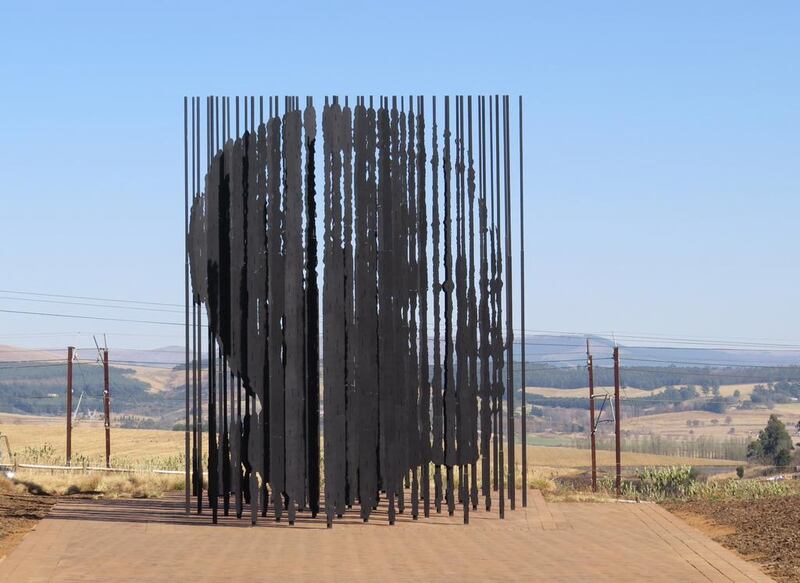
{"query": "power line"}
pixel 718 349
pixel 714 364
pixel 92 305
pixel 79 333
pixel 62 360
pixel 642 400
pixel 714 344
pixel 113 364
pixel 6 291
pixel 553 361
pixel 32 366
pixel 692 340
pixel 691 343
pixel 79 348
pixel 103 319
pixel 710 374
pixel 739 339
pixel 672 339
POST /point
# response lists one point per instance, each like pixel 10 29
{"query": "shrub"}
pixel 774 445
pixel 741 489
pixel 44 454
pixel 783 458
pixel 661 483
pixel 740 471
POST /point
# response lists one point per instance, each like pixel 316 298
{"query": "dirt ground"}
pixel 18 514
pixel 154 540
pixel 762 530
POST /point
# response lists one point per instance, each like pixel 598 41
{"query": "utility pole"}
pixel 107 407
pixel 70 352
pixel 617 420
pixel 592 425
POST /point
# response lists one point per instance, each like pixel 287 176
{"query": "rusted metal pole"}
pixel 70 352
pixel 589 366
pixel 617 420
pixel 107 408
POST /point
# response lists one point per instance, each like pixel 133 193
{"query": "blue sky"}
pixel 662 146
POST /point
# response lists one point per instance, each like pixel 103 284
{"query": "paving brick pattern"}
pixel 152 540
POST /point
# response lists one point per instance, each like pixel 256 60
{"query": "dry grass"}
pixel 137 448
pixel 161 378
pixel 139 485
pixel 746 423
pixel 155 448
pixel 16 419
pixel 570 457
pixel 15 353
pixel 584 392
pixel 745 390
pixel 788 409
pixel 725 390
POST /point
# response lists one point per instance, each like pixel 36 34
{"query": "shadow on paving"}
pixel 171 511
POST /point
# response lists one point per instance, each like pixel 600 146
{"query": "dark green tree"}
pixel 774 445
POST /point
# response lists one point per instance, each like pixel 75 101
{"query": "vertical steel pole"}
pixel 187 491
pixel 438 401
pixel 194 460
pixel 512 469
pixel 213 478
pixel 617 420
pixel 522 317
pixel 493 303
pixel 590 367
pixel 200 406
pixel 501 454
pixel 107 408
pixel 70 352
pixel 199 337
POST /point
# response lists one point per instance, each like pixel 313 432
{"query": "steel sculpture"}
pixel 399 391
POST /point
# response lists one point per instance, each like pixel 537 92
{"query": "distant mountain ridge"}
pixel 562 348
pixel 558 350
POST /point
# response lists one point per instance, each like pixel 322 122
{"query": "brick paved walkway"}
pixel 152 540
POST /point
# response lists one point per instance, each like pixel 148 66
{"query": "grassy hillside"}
pixel 40 389
pixel 44 441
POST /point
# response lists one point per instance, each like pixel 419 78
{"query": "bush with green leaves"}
pixel 661 483
pixel 681 482
pixel 741 489
pixel 773 445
